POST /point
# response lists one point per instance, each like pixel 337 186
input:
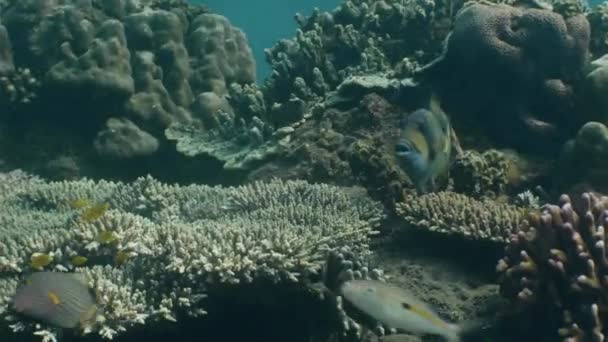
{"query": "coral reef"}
pixel 555 269
pixel 534 57
pixel 157 251
pixel 348 139
pixel 358 37
pixel 456 214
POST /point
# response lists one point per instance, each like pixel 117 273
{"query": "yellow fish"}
pixel 40 260
pixel 106 237
pixel 79 203
pixel 54 298
pixel 79 260
pixel 94 212
pixel 424 147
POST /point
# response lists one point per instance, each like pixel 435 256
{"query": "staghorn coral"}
pixel 555 268
pixel 161 250
pixel 456 214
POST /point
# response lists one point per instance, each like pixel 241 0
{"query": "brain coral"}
pixel 160 250
pixel 511 70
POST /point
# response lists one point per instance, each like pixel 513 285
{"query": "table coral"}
pixel 160 251
pixel 555 265
pixel 459 215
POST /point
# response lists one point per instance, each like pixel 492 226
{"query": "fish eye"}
pixel 402 147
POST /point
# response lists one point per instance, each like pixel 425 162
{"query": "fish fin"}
pixel 435 103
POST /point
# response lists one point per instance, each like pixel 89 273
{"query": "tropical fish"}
pixel 79 203
pixel 79 260
pixel 40 260
pixel 106 237
pixel 397 309
pixel 94 212
pixel 60 299
pixel 424 147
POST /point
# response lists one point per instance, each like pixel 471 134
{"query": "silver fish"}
pixel 397 309
pixel 59 299
pixel 424 147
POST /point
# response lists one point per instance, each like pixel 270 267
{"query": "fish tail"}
pixel 454 333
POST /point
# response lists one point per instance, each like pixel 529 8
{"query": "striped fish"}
pixel 395 308
pixel 59 299
pixel 424 148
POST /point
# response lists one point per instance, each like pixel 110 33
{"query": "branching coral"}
pixel 480 174
pixel 556 265
pixel 357 37
pixel 160 249
pixel 456 214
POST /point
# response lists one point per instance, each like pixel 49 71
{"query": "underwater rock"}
pixel 122 139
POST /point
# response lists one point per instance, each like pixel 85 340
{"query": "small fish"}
pixel 121 258
pixel 93 213
pixel 106 237
pixel 40 260
pixel 424 147
pixel 397 309
pixel 79 203
pixel 60 299
pixel 79 260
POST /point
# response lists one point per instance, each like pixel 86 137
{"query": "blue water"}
pixel 265 21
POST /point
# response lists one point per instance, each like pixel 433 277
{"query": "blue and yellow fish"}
pixel 424 148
